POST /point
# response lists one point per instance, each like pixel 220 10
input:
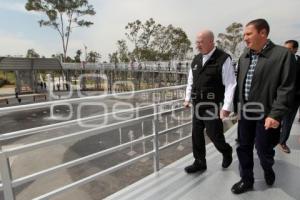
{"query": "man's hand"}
pixel 186 104
pixel 224 114
pixel 271 123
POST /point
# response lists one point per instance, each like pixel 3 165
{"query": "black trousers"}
pixel 287 123
pixel 252 132
pixel 214 130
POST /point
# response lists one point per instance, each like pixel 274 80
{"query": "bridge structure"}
pixel 30 72
pixel 119 146
pixel 87 139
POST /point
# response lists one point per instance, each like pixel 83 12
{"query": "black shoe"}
pixel 241 187
pixel 227 159
pixel 284 148
pixel 196 167
pixel 269 177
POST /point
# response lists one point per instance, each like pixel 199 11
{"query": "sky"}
pixel 20 30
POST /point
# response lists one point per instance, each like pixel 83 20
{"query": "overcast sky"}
pixel 20 30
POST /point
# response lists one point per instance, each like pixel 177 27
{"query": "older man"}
pixel 211 83
pixel 266 78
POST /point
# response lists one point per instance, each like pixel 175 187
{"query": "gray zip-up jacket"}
pixel 273 82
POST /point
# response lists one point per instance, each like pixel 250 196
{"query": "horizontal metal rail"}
pixel 107 171
pixel 6 153
pixel 32 177
pixel 80 134
pixel 35 130
pixel 83 99
pixel 174 128
pixel 92 177
pixel 175 142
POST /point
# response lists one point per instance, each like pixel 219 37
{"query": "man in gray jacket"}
pixel 265 91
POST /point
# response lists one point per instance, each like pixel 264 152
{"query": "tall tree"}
pixel 63 16
pixel 113 57
pixel 93 57
pixel 152 41
pixel 77 56
pixel 141 35
pixel 59 56
pixel 149 28
pixel 231 41
pixel 123 51
pixel 171 43
pixel 133 33
pixel 31 53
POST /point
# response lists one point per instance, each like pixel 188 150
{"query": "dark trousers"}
pixel 253 132
pixel 214 130
pixel 287 123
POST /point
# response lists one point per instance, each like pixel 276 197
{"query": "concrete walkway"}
pixel 215 184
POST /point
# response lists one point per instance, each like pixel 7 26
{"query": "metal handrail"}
pixel 32 177
pixel 92 177
pixel 35 130
pixel 9 183
pixel 80 135
pixel 75 100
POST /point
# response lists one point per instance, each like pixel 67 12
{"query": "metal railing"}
pixel 171 66
pixel 160 91
pixel 158 111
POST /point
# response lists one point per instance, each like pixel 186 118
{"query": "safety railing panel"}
pixel 158 116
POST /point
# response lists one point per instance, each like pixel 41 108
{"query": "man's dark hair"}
pixel 260 24
pixel 293 42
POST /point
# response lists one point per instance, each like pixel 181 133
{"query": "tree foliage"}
pixel 63 16
pixel 123 52
pixel 152 41
pixel 93 57
pixel 31 53
pixel 171 43
pixel 77 56
pixel 232 39
pixel 113 57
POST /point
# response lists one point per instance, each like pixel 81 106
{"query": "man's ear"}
pixel 263 32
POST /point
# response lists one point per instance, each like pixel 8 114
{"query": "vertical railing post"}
pixel 163 96
pixel 156 138
pixel 143 135
pixel 120 135
pixel 6 177
pixel 167 127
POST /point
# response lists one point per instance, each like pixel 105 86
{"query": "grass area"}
pixel 10 77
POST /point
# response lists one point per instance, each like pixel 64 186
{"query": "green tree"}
pixel 113 57
pixel 171 43
pixel 232 39
pixel 31 53
pixel 152 41
pixel 141 35
pixel 123 53
pixel 93 57
pixel 77 56
pixel 69 60
pixel 133 33
pixel 63 16
pixel 149 28
pixel 58 56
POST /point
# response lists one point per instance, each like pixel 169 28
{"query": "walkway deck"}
pixel 215 184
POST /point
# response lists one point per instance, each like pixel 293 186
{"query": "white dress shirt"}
pixel 228 80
